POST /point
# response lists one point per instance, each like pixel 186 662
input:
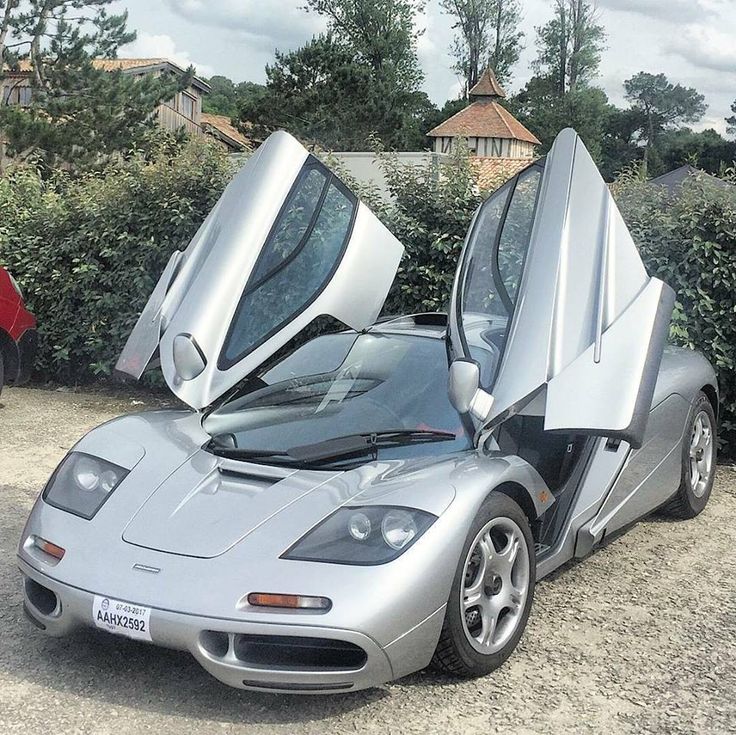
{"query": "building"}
pixel 501 145
pixel 183 111
pixel 672 181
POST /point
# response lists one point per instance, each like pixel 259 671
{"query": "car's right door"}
pixel 552 299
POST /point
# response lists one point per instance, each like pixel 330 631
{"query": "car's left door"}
pixel 286 243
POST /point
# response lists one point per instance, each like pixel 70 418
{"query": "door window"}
pixel 493 268
pixel 301 253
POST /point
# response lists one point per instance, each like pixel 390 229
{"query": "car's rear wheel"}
pixel 492 592
pixel 698 461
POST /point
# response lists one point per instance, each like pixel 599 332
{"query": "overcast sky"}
pixel 691 41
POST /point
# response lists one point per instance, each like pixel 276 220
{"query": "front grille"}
pixel 292 653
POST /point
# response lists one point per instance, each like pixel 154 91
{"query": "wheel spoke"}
pixel 490 620
pixel 705 439
pixel 697 432
pixel 694 472
pixel 510 553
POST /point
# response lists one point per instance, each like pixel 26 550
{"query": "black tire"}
pixel 686 503
pixel 454 653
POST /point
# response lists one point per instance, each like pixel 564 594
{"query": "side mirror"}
pixel 465 392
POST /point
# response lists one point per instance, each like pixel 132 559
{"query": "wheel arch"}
pixel 521 495
pixel 712 395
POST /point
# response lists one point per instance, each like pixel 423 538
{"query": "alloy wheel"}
pixel 495 585
pixel 701 454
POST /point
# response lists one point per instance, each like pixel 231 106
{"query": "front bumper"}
pixel 216 642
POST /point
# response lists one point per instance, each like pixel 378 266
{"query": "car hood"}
pixel 180 499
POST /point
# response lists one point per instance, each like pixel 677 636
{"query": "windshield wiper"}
pixel 341 447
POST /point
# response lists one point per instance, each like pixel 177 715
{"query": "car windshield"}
pixel 346 385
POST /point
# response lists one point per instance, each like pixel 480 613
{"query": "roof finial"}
pixel 487 87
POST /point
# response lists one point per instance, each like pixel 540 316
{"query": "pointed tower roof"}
pixel 483 119
pixel 487 86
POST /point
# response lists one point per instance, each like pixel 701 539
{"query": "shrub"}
pixel 87 251
pixel 430 210
pixel 689 241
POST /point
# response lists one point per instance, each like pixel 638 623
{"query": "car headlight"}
pixel 82 483
pixel 362 536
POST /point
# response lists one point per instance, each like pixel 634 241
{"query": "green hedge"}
pixel 88 250
pixel 689 241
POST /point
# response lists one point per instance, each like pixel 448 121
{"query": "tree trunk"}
pixel 497 45
pixel 36 52
pixel 562 70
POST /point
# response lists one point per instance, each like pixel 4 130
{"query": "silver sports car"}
pixel 336 512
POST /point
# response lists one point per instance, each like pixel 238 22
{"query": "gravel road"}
pixel 640 637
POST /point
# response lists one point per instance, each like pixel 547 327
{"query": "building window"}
pixel 187 105
pixel 17 95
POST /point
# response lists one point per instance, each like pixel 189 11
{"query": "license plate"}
pixel 123 618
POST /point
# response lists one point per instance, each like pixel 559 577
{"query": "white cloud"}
pixel 673 11
pixel 163 46
pixel 707 47
pixel 282 24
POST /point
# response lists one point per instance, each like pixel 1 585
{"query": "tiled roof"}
pixel 487 86
pixel 225 129
pixel 673 180
pixel 24 66
pixel 490 173
pixel 484 119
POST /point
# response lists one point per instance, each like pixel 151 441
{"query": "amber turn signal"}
pixel 301 602
pixel 48 548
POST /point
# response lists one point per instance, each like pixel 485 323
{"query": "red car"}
pixel 17 333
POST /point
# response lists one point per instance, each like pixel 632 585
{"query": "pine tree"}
pixel 79 113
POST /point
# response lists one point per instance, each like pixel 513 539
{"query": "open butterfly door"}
pixel 552 300
pixel 286 243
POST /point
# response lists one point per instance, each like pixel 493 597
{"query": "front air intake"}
pixel 285 653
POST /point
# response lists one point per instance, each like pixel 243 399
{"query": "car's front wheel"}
pixel 492 592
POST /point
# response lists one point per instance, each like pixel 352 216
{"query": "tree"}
pixel 226 96
pixel 361 77
pixel 570 45
pixel 381 33
pixel 321 94
pixel 487 34
pixel 78 113
pixel 731 121
pixel 539 107
pixel 506 37
pixel 619 143
pixel 663 105
pixel 707 150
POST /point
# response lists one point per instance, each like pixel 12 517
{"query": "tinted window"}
pixel 493 268
pixel 516 231
pixel 296 262
pixel 343 384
